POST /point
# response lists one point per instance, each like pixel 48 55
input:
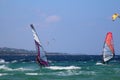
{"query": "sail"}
pixel 115 16
pixel 108 48
pixel 41 57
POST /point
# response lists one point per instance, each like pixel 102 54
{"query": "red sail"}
pixel 109 41
pixel 108 48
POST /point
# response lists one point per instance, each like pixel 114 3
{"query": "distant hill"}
pixel 6 50
pixel 14 51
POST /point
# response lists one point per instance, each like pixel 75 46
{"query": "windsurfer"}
pixel 108 49
pixel 41 62
pixel 38 60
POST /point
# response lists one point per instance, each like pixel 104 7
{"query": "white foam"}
pixel 71 72
pixel 2 74
pixel 67 73
pixel 2 61
pixel 99 63
pixel 14 61
pixel 32 74
pixel 22 69
pixel 63 68
pixel 74 72
pixel 4 67
pixel 87 72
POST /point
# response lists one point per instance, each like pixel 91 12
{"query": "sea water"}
pixel 59 70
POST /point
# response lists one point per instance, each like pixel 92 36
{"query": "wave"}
pixel 71 72
pixel 14 61
pixel 2 61
pixel 63 68
pixel 32 74
pixel 22 69
pixel 4 67
pixel 3 74
pixel 99 63
pixel 63 73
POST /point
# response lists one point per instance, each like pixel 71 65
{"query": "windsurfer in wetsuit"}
pixel 39 61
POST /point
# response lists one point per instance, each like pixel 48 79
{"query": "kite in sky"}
pixel 115 16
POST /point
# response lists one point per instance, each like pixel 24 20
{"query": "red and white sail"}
pixel 41 57
pixel 108 48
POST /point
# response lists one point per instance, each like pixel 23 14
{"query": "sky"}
pixel 67 26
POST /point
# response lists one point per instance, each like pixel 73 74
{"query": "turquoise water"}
pixel 59 70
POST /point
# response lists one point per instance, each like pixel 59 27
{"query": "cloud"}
pixel 52 19
pixel 44 20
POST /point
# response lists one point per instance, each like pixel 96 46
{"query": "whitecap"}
pixel 22 69
pixel 32 74
pixel 67 73
pixel 63 68
pixel 99 63
pixel 14 61
pixel 2 61
pixel 4 67
pixel 71 72
pixel 2 74
pixel 74 72
pixel 87 72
